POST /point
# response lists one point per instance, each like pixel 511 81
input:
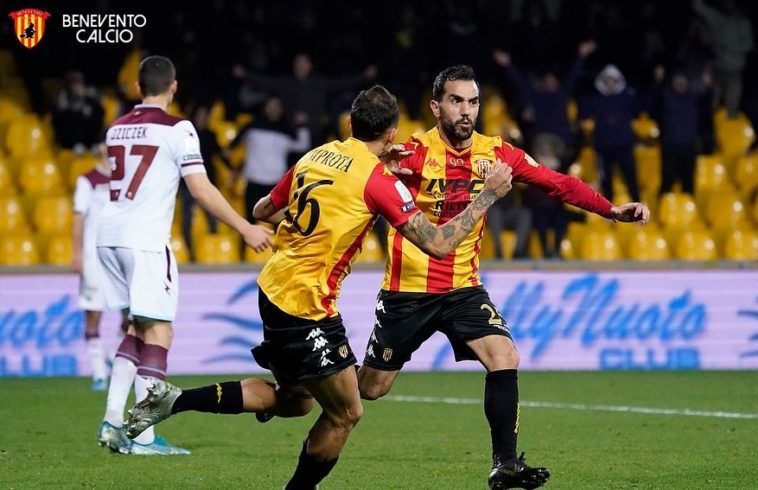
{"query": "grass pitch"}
pixel 47 436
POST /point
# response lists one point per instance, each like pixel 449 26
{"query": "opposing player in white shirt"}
pixel 149 150
pixel 89 198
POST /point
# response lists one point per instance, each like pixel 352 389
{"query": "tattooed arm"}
pixel 439 241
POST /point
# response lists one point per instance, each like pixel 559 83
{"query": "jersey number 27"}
pixel 118 153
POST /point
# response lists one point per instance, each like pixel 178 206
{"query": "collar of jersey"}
pixel 453 150
pixel 148 106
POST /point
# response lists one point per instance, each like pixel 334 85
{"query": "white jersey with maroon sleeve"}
pixel 89 200
pixel 149 150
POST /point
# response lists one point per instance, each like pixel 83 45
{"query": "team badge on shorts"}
pixel 387 355
pixel 344 350
pixel 29 25
pixel 483 167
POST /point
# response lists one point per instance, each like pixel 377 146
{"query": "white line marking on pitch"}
pixel 581 406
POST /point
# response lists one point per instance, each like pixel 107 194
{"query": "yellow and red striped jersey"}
pixel 332 197
pixel 444 182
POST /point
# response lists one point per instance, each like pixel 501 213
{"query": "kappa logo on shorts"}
pixel 325 361
pixel 319 343
pixel 316 332
pixel 380 306
pixel 370 351
pixel 344 350
pixel 387 354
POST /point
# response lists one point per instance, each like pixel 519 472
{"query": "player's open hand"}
pixel 392 158
pixel 631 212
pixel 257 237
pixel 499 179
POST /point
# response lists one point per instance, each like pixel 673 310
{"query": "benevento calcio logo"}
pixel 29 25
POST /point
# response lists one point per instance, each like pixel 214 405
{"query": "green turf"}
pixel 47 431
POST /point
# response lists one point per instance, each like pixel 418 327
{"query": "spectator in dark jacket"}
pixel 676 108
pixel 78 114
pixel 613 108
pixel 545 98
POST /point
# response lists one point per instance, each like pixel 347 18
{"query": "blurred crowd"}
pixel 286 71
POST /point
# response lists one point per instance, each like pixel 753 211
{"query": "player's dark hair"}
pixel 451 74
pixel 374 111
pixel 156 73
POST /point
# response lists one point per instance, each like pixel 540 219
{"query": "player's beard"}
pixel 455 131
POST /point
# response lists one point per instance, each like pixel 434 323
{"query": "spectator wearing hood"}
pixel 613 108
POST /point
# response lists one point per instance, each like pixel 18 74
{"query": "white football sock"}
pixel 97 358
pixel 122 378
pixel 141 383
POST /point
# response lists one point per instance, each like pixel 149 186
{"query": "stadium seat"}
pixel 648 243
pixel 494 113
pixel 755 211
pixel 734 136
pixel 111 108
pixel 12 217
pixel 59 250
pixel 487 251
pixel 741 245
pixel 216 249
pixel 645 128
pixel 725 210
pixel 648 160
pixel 407 127
pixel 567 250
pixel 600 244
pixel 53 215
pixel 179 247
pixel 27 137
pixel 677 210
pixel 40 177
pixel 7 187
pixel 80 165
pixel 343 123
pixel 18 250
pixel 746 174
pixel 585 167
pixel 371 251
pixel 710 174
pixel 508 242
pixel 696 245
pixel 225 132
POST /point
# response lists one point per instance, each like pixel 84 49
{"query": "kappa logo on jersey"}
pixel 316 332
pixel 432 163
pixel 29 25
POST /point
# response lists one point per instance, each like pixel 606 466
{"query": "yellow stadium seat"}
pixel 586 162
pixel 59 250
pixel 179 247
pixel 371 251
pixel 710 174
pixel 741 245
pixel 10 110
pixel 18 250
pixel 746 174
pixel 111 108
pixel 725 210
pixel 26 137
pixel 225 132
pixel 567 250
pixel 696 245
pixel 80 165
pixel 677 210
pixel 7 187
pixel 755 211
pixel 600 244
pixel 12 217
pixel 645 127
pixel 129 73
pixel 648 159
pixel 40 177
pixel 508 243
pixel 53 215
pixel 487 245
pixel 407 127
pixel 494 114
pixel 216 249
pixel 734 136
pixel 648 243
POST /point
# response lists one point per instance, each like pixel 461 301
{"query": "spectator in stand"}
pixel 545 98
pixel 268 140
pixel 510 214
pixel 210 150
pixel 547 212
pixel 613 108
pixel 731 40
pixel 307 92
pixel 78 115
pixel 676 108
